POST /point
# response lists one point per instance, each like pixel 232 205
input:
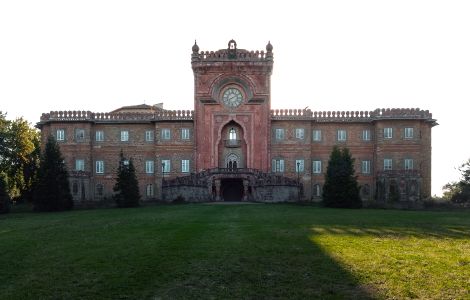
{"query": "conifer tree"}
pixel 127 187
pixel 341 188
pixel 52 190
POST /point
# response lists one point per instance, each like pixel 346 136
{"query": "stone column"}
pixel 217 190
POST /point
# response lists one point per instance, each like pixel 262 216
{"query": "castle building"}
pixel 234 147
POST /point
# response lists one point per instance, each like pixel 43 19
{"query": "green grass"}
pixel 235 251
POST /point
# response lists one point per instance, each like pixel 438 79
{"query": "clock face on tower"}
pixel 232 97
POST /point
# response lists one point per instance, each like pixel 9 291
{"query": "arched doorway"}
pixel 232 189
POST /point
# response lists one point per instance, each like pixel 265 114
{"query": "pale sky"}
pixel 328 55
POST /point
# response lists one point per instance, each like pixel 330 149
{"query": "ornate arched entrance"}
pixel 232 147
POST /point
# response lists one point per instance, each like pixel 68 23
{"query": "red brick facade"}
pixel 232 126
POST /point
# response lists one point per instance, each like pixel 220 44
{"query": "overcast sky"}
pixel 328 55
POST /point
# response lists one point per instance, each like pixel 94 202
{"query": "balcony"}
pixel 233 143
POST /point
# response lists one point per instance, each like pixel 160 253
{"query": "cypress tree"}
pixel 127 187
pixel 52 190
pixel 341 188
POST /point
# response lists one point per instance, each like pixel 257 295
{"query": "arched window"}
pixel 232 135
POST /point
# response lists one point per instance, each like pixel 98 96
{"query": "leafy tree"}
pixel 127 187
pixel 19 155
pixel 4 198
pixel 52 190
pixel 459 192
pixel 341 188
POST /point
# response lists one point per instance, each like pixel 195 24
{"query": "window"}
pixel 317 190
pixel 277 165
pixel 149 166
pixel 99 190
pixel 124 135
pixel 366 135
pixel 299 165
pixel 165 166
pixel 79 165
pixel 149 136
pixel 408 164
pixel 99 167
pixel 365 167
pixel 60 135
pixel 279 134
pixel 166 134
pixel 408 133
pixel 75 188
pixel 316 135
pixel 99 135
pixel 149 190
pixel 388 133
pixel 79 134
pixel 185 166
pixel 316 167
pixel 341 135
pixel 232 134
pixel 299 133
pixel 185 133
pixel 387 164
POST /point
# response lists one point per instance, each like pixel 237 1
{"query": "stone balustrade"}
pixel 351 116
pixel 240 54
pixel 169 115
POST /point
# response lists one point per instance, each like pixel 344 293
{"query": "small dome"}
pixel 195 47
pixel 269 47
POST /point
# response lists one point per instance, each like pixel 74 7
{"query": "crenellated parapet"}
pixel 73 116
pixel 231 53
pixel 352 116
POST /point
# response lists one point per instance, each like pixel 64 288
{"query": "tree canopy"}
pixel 341 188
pixel 459 192
pixel 19 155
pixel 52 191
pixel 127 187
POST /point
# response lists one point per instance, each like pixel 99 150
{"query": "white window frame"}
pixel 124 135
pixel 166 134
pixel 79 165
pixel 99 167
pixel 408 164
pixel 316 167
pixel 365 167
pixel 366 134
pixel 60 135
pixel 99 135
pixel 185 166
pixel 279 132
pixel 316 135
pixel 300 167
pixel 149 190
pixel 300 133
pixel 149 166
pixel 149 135
pixel 185 133
pixel 342 135
pixel 409 134
pixel 166 166
pixel 277 165
pixel 388 133
pixel 388 164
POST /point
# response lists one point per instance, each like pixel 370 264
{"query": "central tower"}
pixel 232 103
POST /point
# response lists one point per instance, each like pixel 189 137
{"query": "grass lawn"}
pixel 235 251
